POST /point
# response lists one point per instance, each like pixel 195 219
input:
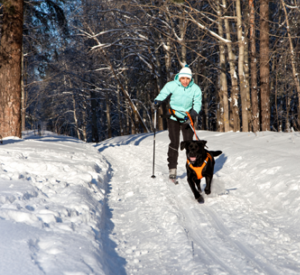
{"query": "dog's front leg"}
pixel 208 185
pixel 198 185
pixel 193 188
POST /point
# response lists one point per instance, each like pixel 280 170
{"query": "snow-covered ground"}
pixel 67 207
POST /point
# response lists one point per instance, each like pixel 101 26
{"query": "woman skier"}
pixel 185 96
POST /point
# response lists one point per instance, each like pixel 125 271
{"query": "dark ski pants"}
pixel 174 128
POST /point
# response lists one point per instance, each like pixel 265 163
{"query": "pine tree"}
pixel 10 68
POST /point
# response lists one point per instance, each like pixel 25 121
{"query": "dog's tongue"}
pixel 192 158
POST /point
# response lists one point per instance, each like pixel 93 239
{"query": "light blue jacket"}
pixel 182 99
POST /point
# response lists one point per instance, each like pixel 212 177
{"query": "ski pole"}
pixel 154 126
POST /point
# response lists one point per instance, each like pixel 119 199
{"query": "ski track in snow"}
pixel 159 228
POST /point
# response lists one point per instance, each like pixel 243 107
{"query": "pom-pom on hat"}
pixel 185 72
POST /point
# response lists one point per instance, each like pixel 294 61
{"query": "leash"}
pixel 192 125
pixel 182 120
pixel 173 113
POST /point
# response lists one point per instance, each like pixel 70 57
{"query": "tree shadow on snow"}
pixel 220 161
pixel 54 139
pixel 10 141
pixel 114 264
pixel 134 139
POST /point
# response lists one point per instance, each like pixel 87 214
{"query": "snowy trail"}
pixel 243 227
pixel 71 208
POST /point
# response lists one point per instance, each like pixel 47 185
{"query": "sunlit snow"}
pixel 68 207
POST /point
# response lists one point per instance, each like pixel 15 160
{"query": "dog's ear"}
pixel 202 142
pixel 183 145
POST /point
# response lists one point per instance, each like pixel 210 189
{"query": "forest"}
pixel 91 69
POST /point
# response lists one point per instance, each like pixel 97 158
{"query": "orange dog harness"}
pixel 198 170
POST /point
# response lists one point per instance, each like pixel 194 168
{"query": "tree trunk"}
pixel 205 122
pixel 168 64
pixel 235 88
pixel 264 66
pixel 276 97
pixel 288 108
pixel 135 114
pixel 74 104
pixel 168 59
pixel 224 87
pixel 183 26
pixel 293 60
pixel 108 119
pixel 84 121
pixel 133 128
pixel 127 117
pixel 243 84
pixel 220 111
pixel 254 90
pixel 75 115
pixel 10 68
pixel 247 67
pixel 95 136
pixel 121 128
pixel 247 80
pixel 159 85
pixel 23 106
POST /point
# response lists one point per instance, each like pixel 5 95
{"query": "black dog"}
pixel 200 163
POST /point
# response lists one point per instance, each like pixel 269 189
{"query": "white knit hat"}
pixel 185 72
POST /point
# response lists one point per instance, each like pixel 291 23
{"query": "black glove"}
pixel 156 104
pixel 193 114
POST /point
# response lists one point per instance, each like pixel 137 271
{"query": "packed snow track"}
pixel 248 225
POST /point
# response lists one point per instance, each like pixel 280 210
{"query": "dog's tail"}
pixel 215 153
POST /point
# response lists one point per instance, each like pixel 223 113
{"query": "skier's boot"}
pixel 173 175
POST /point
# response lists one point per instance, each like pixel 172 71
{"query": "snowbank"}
pixel 52 192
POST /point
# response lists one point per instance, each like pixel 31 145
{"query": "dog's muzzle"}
pixel 192 159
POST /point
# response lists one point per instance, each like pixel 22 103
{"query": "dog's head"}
pixel 195 150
